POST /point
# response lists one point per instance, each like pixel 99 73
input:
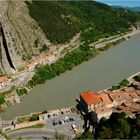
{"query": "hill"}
pixel 35 27
pixel 60 21
pixel 134 9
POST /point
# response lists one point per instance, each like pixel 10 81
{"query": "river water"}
pixel 106 69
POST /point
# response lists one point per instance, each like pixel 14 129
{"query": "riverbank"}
pixel 73 58
pixel 80 81
pixel 23 118
pixel 104 42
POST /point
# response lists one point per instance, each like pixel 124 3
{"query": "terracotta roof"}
pixel 90 97
pixel 40 59
pixel 128 108
pixel 138 92
pixel 134 95
pixel 3 79
pixel 128 89
pixel 120 96
pixel 105 98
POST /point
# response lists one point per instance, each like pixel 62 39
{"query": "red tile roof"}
pixel 90 97
pixel 39 60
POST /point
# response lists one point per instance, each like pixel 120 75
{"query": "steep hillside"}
pixel 31 28
pixel 25 36
pixel 60 21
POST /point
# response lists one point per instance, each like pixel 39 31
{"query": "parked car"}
pixel 74 127
pixel 71 119
pixel 62 112
pixel 55 123
pixel 60 122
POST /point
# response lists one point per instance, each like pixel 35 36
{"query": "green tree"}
pixel 124 82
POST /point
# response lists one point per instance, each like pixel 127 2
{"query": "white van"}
pixel 74 127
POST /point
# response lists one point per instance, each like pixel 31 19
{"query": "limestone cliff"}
pixel 23 35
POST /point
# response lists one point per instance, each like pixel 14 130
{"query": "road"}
pixel 115 38
pixel 36 133
pixel 22 78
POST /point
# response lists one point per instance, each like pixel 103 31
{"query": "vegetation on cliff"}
pixel 60 21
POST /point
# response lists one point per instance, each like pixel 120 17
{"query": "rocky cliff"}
pixel 24 37
pixel 31 28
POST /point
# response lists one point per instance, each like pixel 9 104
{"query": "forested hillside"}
pixel 60 21
pixel 118 126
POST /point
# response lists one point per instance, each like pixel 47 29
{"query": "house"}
pixel 104 103
pixel 105 99
pixel 4 81
pixel 118 97
pixel 89 101
pixel 46 59
pixel 103 112
pixel 129 108
pixel 51 58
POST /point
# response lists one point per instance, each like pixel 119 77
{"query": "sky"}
pixel 128 3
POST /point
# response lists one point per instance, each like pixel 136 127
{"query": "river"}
pixel 106 69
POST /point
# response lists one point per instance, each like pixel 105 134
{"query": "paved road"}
pixel 109 40
pixel 36 133
pixel 22 78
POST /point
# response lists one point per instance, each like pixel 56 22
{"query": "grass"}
pixel 34 126
pixel 23 119
pixel 2 96
pixel 21 69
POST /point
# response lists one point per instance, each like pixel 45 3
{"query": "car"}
pixel 67 121
pixel 55 123
pixel 62 112
pixel 71 119
pixel 49 115
pixel 60 122
pixel 45 117
pixel 66 117
pixel 53 115
pixel 68 111
pixel 64 121
pixel 74 127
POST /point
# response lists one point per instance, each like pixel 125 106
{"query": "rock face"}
pixel 23 36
